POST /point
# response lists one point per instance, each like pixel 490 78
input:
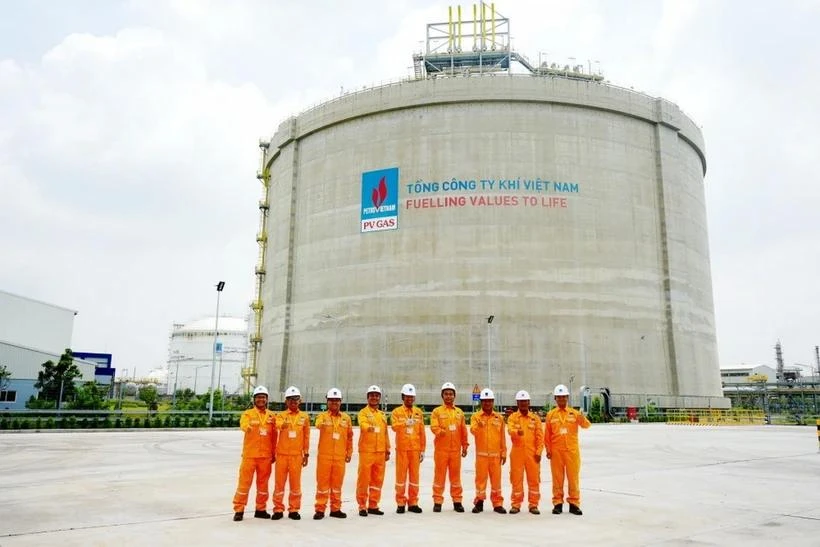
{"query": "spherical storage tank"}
pixel 401 218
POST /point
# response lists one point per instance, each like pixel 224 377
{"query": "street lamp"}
pixel 584 349
pixel 176 377
pixel 219 287
pixel 196 374
pixel 489 355
pixel 333 348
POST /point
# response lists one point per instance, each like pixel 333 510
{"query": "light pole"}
pixel 176 378
pixel 219 287
pixel 333 348
pixel 584 349
pixel 124 376
pixel 489 354
pixel 196 374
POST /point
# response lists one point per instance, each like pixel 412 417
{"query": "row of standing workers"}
pixel 281 442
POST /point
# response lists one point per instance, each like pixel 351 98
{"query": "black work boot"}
pixel 414 509
pixel 575 510
pixel 534 510
pixel 338 514
pixel 375 511
pixel 514 510
pixel 318 515
pixel 294 515
pixel 261 514
pixel 500 510
pixel 277 516
pixel 238 516
pixel 436 508
pixel 478 507
pixel 362 512
pixel 557 509
pixel 400 509
pixel 457 507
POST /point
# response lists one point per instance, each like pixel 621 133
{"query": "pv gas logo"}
pixel 380 200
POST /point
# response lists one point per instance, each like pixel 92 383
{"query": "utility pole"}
pixel 219 287
pixel 489 353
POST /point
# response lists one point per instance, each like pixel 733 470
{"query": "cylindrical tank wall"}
pixel 593 261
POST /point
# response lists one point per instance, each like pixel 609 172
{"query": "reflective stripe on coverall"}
pixel 411 442
pixel 293 443
pixel 335 446
pixel 561 441
pixel 450 432
pixel 373 448
pixel 257 453
pixel 525 448
pixel 490 444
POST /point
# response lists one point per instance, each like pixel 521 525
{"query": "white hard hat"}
pixel 260 390
pixel 448 385
pixel 292 391
pixel 334 393
pixel 487 394
pixel 408 389
pixel 374 389
pixel 522 396
pixel 560 389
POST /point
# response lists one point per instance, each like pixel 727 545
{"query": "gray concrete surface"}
pixel 613 286
pixel 647 484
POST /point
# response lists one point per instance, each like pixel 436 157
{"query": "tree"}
pixel 90 396
pixel 5 377
pixel 596 411
pixel 149 396
pixel 59 378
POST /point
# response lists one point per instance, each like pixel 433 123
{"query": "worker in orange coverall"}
pixel 374 451
pixel 258 448
pixel 527 439
pixel 450 431
pixel 487 427
pixel 561 441
pixel 411 440
pixel 291 455
pixel 335 450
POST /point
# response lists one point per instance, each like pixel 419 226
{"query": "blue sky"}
pixel 128 136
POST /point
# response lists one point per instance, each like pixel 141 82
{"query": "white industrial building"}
pixel 31 333
pixel 191 354
pixel 742 375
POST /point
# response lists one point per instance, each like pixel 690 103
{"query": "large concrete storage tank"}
pixel 570 210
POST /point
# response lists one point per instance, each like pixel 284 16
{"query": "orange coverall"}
pixel 374 447
pixel 335 447
pixel 411 440
pixel 490 445
pixel 450 431
pixel 526 446
pixel 561 441
pixel 293 443
pixel 257 454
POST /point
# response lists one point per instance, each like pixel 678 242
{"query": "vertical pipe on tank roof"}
pixel 450 29
pixel 475 26
pixel 459 28
pixel 483 25
pixel 492 22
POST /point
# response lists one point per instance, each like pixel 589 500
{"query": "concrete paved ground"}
pixel 647 484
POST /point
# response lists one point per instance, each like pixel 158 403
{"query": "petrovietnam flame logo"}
pixel 379 194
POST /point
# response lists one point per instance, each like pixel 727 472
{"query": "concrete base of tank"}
pixel 644 484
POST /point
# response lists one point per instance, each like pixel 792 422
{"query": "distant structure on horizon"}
pixel 490 228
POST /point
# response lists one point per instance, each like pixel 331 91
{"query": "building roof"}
pixel 38 301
